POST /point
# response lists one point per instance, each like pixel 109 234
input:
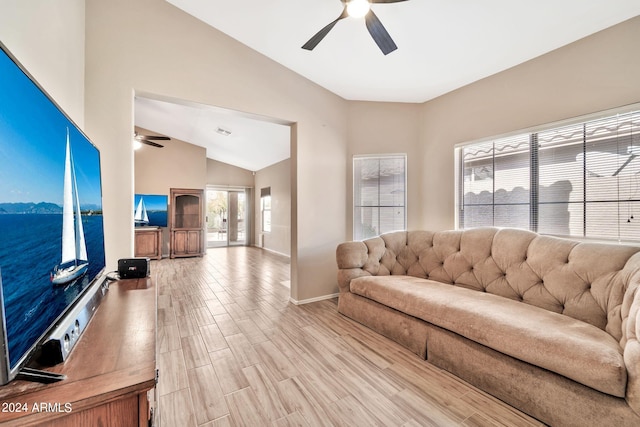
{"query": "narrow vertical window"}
pixel 379 192
pixel 265 208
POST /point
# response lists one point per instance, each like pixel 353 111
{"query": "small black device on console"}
pixel 133 268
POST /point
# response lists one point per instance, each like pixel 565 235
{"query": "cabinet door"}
pixel 193 241
pixel 147 244
pixel 180 242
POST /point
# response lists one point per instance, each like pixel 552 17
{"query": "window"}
pixel 379 193
pixel 265 208
pixel 497 183
pixel 580 180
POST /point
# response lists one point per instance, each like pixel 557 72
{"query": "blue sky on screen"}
pixel 153 202
pixel 32 144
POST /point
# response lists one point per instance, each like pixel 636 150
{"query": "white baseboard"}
pixel 272 251
pixel 310 300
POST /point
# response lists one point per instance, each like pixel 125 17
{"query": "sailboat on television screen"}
pixel 74 263
pixel 141 217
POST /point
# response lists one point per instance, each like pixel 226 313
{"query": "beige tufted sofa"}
pixel 548 325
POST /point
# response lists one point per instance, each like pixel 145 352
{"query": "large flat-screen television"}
pixel 51 229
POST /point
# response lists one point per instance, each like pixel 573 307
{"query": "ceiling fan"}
pixel 359 9
pixel 148 139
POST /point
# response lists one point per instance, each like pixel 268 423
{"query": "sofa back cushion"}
pixel 585 281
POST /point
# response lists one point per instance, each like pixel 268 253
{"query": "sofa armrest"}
pixel 351 255
pixel 351 258
pixel 631 338
pixel 356 259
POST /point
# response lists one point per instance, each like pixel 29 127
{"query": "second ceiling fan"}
pixel 149 139
pixel 357 9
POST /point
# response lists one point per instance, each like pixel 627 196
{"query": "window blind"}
pixel 379 190
pixel 577 180
pixel 265 208
pixel 560 207
pixel 496 181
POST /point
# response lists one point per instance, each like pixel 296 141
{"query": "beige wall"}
pixel 386 128
pixel 223 174
pixel 593 74
pixel 278 177
pixel 47 37
pixel 177 165
pixel 152 47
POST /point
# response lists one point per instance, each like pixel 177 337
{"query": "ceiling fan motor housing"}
pixel 356 9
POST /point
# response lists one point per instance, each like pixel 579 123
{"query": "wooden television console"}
pixel 111 373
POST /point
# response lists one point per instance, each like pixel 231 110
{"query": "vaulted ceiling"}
pixel 442 45
pixel 246 141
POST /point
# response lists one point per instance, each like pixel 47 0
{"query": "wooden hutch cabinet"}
pixel 187 222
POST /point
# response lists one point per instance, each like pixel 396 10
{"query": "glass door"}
pixel 227 217
pixel 237 234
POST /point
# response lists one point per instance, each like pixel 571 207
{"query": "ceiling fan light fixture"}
pixel 358 8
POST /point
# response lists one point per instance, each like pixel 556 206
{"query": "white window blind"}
pixel 265 209
pixel 496 183
pixel 379 193
pixel 560 207
pixel 581 180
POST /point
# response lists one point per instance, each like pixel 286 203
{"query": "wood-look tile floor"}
pixel 234 352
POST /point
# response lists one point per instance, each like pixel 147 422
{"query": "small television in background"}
pixel 150 210
pixel 52 254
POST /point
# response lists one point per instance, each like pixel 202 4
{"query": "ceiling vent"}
pixel 223 132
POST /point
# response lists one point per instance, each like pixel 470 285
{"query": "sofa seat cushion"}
pixel 558 343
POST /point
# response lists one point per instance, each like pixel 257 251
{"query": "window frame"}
pixel 265 206
pixel 534 170
pixel 356 235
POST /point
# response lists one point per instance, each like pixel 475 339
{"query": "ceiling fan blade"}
pixel 313 41
pixel 386 1
pixel 155 137
pixel 379 33
pixel 153 144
